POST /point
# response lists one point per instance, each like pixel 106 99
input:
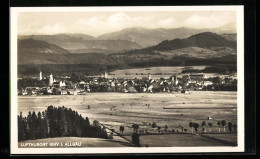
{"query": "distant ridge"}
pixel 32 46
pixel 80 43
pixel 66 41
pixel 149 37
pixel 203 40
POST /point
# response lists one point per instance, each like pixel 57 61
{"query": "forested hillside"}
pixel 57 122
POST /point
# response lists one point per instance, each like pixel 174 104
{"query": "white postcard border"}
pixel 13 79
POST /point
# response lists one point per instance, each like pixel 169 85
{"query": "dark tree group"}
pixel 29 82
pixel 231 127
pixel 135 138
pixel 136 127
pixel 57 122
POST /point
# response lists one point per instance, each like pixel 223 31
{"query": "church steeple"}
pixel 51 80
pixel 105 74
pixel 40 76
pixel 149 76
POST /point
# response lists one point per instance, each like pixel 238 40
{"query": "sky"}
pixel 97 23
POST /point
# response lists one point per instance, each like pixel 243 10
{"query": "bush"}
pixel 135 138
pixel 154 125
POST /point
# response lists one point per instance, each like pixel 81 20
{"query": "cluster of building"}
pixel 147 84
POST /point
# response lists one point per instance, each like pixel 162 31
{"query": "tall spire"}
pixel 40 76
pixel 51 80
pixel 149 76
pixel 105 74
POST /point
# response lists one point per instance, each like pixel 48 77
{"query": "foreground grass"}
pixel 230 139
pixel 187 140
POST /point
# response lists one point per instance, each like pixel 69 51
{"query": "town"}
pixel 78 84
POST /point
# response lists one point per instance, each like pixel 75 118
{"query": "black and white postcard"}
pixel 92 80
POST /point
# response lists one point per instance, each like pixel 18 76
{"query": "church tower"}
pixel 149 76
pixel 51 80
pixel 40 76
pixel 175 80
pixel 106 74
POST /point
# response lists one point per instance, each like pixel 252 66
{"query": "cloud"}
pixel 208 21
pixel 104 24
pixel 98 23
pixel 53 29
pixel 169 22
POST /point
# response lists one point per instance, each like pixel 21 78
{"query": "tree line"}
pixel 57 122
pixel 29 82
pixel 223 123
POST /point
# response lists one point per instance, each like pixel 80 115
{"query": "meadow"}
pixel 124 109
pixel 157 72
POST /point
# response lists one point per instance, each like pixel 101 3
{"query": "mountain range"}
pixel 124 40
pixel 149 37
pixel 202 46
pixel 80 43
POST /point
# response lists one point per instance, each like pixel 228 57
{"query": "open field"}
pixel 156 72
pixel 230 139
pixel 179 140
pixel 116 109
